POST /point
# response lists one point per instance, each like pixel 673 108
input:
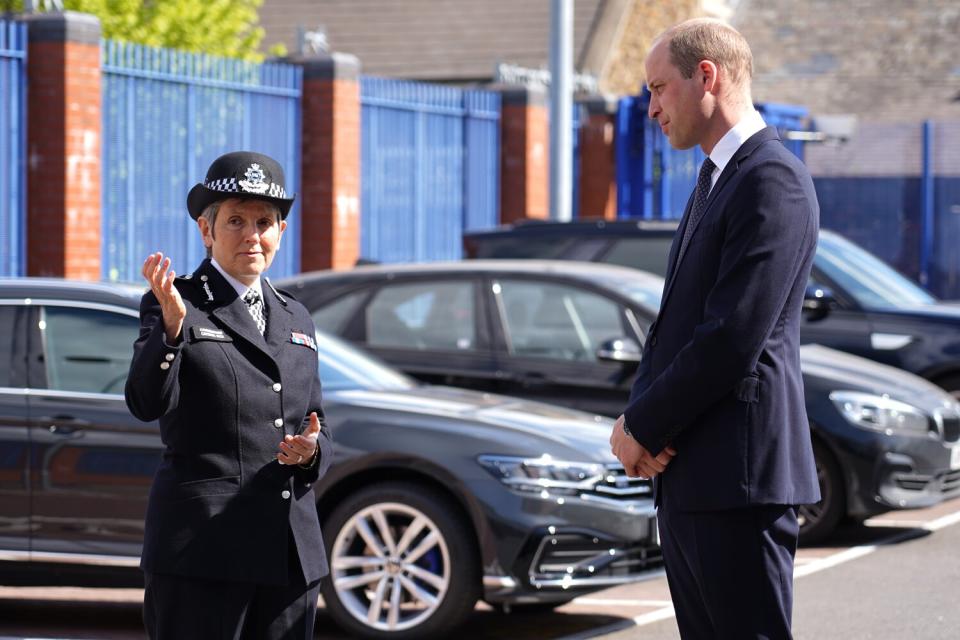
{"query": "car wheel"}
pixel 402 563
pixel 818 520
pixel 951 384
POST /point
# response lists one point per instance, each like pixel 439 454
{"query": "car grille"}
pixel 617 486
pixel 951 428
pixel 576 559
pixel 948 482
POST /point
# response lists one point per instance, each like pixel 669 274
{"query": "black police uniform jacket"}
pixel 221 506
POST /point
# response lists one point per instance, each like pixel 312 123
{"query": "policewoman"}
pixel 228 365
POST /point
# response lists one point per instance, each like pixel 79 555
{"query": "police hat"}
pixel 241 174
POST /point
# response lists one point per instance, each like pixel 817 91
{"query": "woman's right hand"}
pixel 171 304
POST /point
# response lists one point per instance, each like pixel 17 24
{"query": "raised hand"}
pixel 300 449
pixel 161 283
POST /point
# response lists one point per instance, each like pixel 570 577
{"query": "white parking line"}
pixel 803 568
pixel 621 602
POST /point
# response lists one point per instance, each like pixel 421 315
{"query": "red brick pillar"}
pixel 598 160
pixel 330 175
pixel 63 146
pixel 524 157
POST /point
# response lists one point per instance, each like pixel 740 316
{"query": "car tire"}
pixel 423 598
pixel 819 520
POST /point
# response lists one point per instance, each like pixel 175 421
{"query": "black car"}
pixel 570 333
pixel 461 495
pixel 855 302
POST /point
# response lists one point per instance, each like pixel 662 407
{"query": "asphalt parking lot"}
pixel 857 559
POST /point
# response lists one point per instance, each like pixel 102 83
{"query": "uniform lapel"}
pixel 223 303
pixel 279 318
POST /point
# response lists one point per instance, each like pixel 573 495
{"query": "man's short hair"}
pixel 708 39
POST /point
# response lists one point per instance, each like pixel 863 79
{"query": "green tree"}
pixel 220 27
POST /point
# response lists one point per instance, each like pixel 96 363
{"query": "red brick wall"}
pixel 598 168
pixel 330 229
pixel 63 158
pixel 524 162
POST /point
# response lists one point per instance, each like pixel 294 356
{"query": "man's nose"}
pixel 653 109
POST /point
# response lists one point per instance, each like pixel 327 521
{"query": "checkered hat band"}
pixel 230 185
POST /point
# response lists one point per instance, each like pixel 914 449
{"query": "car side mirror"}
pixel 622 350
pixel 817 302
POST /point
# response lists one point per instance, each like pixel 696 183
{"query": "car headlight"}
pixel 880 413
pixel 537 475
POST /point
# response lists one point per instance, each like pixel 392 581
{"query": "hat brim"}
pixel 201 197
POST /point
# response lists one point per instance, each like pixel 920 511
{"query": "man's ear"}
pixel 709 72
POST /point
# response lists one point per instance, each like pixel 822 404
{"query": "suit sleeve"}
pixel 152 388
pixel 771 229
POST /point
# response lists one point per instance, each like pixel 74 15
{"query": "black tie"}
pixel 704 181
pixel 255 307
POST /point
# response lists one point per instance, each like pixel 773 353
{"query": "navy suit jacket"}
pixel 720 379
pixel 221 507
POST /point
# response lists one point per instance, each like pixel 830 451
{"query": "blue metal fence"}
pixel 654 180
pixel 894 188
pixel 430 158
pixel 166 116
pixel 13 131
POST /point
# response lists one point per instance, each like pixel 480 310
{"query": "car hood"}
pixel 840 370
pixel 583 432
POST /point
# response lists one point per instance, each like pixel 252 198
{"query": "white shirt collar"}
pixel 732 140
pixel 236 284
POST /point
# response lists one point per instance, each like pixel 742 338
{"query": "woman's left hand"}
pixel 301 449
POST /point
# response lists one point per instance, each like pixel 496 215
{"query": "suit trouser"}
pixel 731 572
pixel 184 608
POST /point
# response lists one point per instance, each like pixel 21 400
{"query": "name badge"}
pixel 303 339
pixel 207 333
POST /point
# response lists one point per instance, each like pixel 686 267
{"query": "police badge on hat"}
pixel 241 174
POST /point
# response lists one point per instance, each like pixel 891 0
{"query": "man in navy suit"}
pixel 716 414
pixel 228 364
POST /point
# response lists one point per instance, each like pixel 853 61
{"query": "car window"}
pixel 8 334
pixel 431 315
pixel 871 282
pixel 647 254
pixel 519 246
pixel 87 349
pixel 556 321
pixel 334 314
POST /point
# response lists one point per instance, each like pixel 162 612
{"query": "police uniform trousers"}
pixel 185 608
pixel 731 571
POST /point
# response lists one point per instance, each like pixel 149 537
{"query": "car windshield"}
pixel 871 282
pixel 344 367
pixel 645 292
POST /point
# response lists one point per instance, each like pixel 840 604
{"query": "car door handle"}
pixel 66 426
pixel 534 379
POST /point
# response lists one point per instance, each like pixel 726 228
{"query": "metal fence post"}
pixel 927 221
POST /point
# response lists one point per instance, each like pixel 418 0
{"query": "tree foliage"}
pixel 220 27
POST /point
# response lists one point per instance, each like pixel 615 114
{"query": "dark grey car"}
pixel 570 333
pixel 448 494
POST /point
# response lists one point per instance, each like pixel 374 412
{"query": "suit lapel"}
pixel 768 133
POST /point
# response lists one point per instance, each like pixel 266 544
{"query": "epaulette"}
pixel 277 292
